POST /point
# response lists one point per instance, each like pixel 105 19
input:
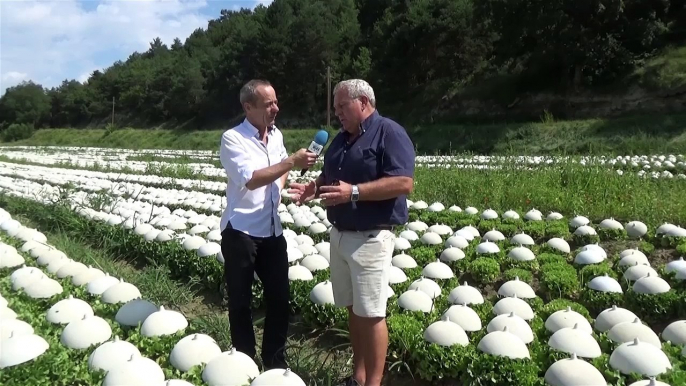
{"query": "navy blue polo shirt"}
pixel 383 148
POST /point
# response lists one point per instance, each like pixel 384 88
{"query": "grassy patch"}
pixel 628 135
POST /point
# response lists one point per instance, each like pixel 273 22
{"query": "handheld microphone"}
pixel 317 145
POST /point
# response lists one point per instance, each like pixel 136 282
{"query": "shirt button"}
pixel 339 168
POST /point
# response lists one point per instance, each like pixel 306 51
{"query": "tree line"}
pixel 415 53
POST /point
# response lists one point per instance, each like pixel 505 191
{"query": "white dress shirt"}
pixel 241 153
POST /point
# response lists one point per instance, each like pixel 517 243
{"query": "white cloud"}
pixel 49 42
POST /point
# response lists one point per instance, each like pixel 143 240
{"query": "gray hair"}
pixel 357 88
pixel 249 90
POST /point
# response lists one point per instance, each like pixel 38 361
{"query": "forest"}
pixel 419 55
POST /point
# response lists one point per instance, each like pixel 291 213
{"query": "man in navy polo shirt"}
pixel 368 173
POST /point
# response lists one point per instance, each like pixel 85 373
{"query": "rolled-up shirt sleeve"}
pixel 398 153
pixel 235 160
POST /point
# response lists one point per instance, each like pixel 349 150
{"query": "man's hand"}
pixel 337 194
pixel 302 193
pixel 304 159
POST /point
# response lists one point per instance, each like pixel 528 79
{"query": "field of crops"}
pixel 526 271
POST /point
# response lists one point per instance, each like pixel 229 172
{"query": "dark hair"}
pixel 249 90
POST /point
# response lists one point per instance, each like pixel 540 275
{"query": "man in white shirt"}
pixel 257 165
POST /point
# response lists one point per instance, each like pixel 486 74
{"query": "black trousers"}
pixel 267 256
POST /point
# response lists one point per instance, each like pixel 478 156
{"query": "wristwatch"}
pixel 355 195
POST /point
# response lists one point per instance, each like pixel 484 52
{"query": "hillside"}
pixel 645 134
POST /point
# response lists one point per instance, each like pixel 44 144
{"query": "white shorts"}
pixel 360 264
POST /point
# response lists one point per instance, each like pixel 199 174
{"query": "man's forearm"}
pixel 385 188
pixel 270 174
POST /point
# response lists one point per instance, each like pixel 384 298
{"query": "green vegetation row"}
pixel 558 281
pixel 631 135
pixel 596 192
pixel 492 51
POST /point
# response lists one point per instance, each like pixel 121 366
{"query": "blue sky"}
pixel 50 41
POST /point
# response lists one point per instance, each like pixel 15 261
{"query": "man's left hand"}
pixel 336 194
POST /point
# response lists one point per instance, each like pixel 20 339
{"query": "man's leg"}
pixel 272 269
pixel 341 283
pixel 370 261
pixel 238 250
pixel 358 343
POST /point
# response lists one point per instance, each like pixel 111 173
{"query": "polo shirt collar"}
pixel 252 130
pixel 366 124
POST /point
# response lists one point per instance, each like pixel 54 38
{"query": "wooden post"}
pixel 328 96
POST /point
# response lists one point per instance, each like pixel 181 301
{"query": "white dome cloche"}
pixel 559 244
pixel 438 270
pixel 631 257
pixel 111 354
pixel 43 288
pixel 463 315
pixel 315 262
pixel 487 247
pixel 120 292
pixel 638 271
pixel 322 293
pixel 518 288
pixel 521 253
pixel 494 235
pixel 403 261
pixel 163 322
pixel 573 372
pixel 451 254
pixel 396 275
pixel 299 272
pixel 456 241
pixel 608 318
pixel 649 382
pixel 415 300
pixel 401 244
pixel 610 223
pixel 193 350
pixel 567 318
pixel 503 343
pixel 522 239
pixel 574 340
pixel 627 331
pixel 83 333
pixel 514 304
pixel 230 367
pixel 426 285
pixel 579 221
pixel 431 238
pixel 489 214
pixel 134 312
pixel 515 325
pixel 68 310
pixel 675 332
pixel 21 348
pixel 605 283
pixel 465 294
pixel 651 284
pixel 636 229
pixel 409 235
pixel 15 327
pixel 446 333
pixel 588 256
pixel 278 377
pixel 137 371
pixel 639 357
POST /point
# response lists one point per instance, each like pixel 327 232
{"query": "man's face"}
pixel 265 108
pixel 348 110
